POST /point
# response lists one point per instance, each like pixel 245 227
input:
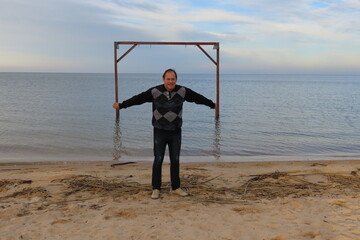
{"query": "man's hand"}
pixel 214 106
pixel 116 105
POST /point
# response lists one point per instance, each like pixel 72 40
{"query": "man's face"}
pixel 170 81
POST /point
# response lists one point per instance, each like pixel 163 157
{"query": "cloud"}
pixel 163 17
pixel 52 36
pixel 292 19
pixel 265 33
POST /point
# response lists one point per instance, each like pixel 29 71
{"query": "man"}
pixel 167 103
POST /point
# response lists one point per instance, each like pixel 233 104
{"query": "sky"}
pixel 255 36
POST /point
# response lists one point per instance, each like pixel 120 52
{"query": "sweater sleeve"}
pixel 192 96
pixel 138 99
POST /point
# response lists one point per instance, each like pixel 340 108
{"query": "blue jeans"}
pixel 173 140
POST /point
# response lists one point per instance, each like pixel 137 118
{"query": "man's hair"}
pixel 170 70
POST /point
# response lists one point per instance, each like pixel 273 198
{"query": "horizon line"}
pixel 249 73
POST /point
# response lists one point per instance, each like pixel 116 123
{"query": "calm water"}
pixel 59 116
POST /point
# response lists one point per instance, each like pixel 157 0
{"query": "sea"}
pixel 285 117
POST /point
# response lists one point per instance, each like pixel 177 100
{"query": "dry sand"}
pixel 266 200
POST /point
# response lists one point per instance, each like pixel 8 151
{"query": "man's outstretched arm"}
pixel 192 96
pixel 135 100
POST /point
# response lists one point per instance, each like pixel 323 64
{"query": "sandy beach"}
pixel 259 200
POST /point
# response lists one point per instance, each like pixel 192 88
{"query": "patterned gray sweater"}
pixel 167 106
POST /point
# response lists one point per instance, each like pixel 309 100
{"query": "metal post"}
pixel 217 110
pixel 116 79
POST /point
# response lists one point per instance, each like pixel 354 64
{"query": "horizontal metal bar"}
pixel 168 43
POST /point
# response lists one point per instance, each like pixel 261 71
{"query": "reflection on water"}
pixel 119 151
pixel 117 141
pixel 217 139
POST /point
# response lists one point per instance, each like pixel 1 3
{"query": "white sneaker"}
pixel 180 192
pixel 155 194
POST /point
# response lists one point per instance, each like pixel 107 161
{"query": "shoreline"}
pixel 191 159
pixel 271 200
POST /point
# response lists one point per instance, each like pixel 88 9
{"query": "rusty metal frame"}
pixel 215 45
